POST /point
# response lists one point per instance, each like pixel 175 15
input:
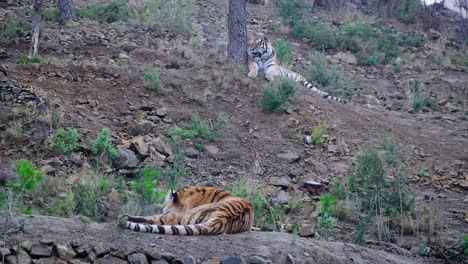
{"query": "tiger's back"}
pixel 198 211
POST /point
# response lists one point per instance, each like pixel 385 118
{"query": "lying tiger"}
pixel 196 211
pixel 263 58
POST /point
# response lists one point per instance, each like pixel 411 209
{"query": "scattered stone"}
pixel 65 252
pixel 139 145
pixel 257 168
pixel 137 258
pixel 213 261
pixel 213 150
pixel 290 157
pixel 295 173
pixel 313 187
pixel 168 256
pixel 75 158
pixel 282 197
pixel 333 149
pixel 41 251
pixel 258 260
pixel 345 57
pixel 27 245
pixel 286 258
pixel 142 127
pixel 308 139
pixel 21 258
pixel 161 146
pixel 283 182
pixel 101 249
pixel 191 152
pixel 111 260
pixel 306 229
pixel 153 255
pixel 161 112
pixel 52 260
pixel 4 252
pixel 126 160
pixel 234 260
pixel 189 260
pixel 82 101
pixel 140 115
pixel 160 261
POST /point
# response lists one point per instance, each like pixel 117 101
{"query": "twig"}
pixel 441 253
pixel 393 247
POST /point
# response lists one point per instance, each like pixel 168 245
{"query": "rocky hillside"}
pixel 133 99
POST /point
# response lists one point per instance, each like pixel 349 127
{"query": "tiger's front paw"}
pixel 252 75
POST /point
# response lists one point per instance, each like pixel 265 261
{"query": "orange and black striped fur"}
pixel 197 211
pixel 263 58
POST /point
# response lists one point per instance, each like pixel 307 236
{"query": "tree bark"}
pixel 36 28
pixel 66 11
pixel 237 30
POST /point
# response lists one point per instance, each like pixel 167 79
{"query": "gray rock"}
pixel 126 160
pixel 286 258
pixel 65 252
pixel 189 260
pixel 161 112
pixel 153 255
pixel 110 260
pixel 306 229
pixel 191 152
pixel 258 260
pixel 41 251
pixel 142 128
pixel 290 157
pixel 137 258
pixel 161 145
pixel 21 258
pixel 52 260
pixel 283 182
pixel 282 197
pixel 27 245
pixel 234 260
pixel 257 168
pixel 4 252
pixel 101 249
pixel 160 261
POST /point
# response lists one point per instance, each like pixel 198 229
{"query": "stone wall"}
pixel 14 95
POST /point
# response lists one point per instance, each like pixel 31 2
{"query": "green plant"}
pixel 319 133
pixel 328 77
pixel 355 34
pixel 66 141
pixel 55 117
pixel 409 10
pixel 422 174
pixel 201 147
pixel 196 43
pixel 291 10
pixel 418 97
pixel 388 43
pixel 276 95
pixel 320 34
pixel 103 145
pixel 61 207
pixel 147 189
pixel 198 128
pixel 283 50
pixel 116 10
pixel 14 30
pixel 25 59
pixel 151 78
pixel 50 13
pixel 412 41
pixel 326 220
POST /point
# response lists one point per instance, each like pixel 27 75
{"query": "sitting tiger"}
pixel 263 58
pixel 196 211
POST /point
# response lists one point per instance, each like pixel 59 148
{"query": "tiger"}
pixel 263 58
pixel 196 211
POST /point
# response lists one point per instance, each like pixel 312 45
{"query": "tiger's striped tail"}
pixel 299 78
pixel 183 230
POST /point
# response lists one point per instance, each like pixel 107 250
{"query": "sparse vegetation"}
pixel 320 34
pixel 328 77
pixel 326 220
pixel 14 29
pixel 319 133
pixel 291 10
pixel 66 140
pixel 276 95
pixel 50 13
pixel 409 10
pixel 116 10
pixel 151 78
pixel 25 59
pixel 418 97
pixel 102 146
pixel 283 52
pixel 199 128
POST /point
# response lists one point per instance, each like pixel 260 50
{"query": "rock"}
pixel 137 258
pixel 282 197
pixel 258 260
pixel 286 258
pixel 4 252
pixel 313 187
pixel 65 252
pixel 126 160
pixel 141 115
pixel 52 260
pixel 168 256
pixel 82 101
pixel 290 157
pixel 41 251
pixel 234 260
pixel 161 145
pixel 111 260
pixel 345 57
pixel 191 152
pixel 21 258
pixel 160 261
pixel 213 150
pixel 189 260
pixel 140 147
pixel 75 158
pixel 27 245
pixel 153 255
pixel 142 127
pixel 161 112
pixel 101 249
pixel 283 182
pixel 295 173
pixel 213 261
pixel 434 34
pixel 306 229
pixel 257 168
pixel 332 149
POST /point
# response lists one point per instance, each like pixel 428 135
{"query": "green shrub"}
pixel 15 30
pixel 319 133
pixel 412 41
pixel 292 10
pixel 276 95
pixel 50 13
pixel 320 34
pixel 151 78
pixel 326 220
pixel 388 44
pixel 283 50
pixel 103 146
pixel 61 207
pixel 87 196
pixel 409 10
pixel 198 128
pixel 355 34
pixel 329 78
pixel 418 97
pixel 117 10
pixel 66 141
pixel 369 59
pixel 147 189
pixel 23 58
pixel 196 43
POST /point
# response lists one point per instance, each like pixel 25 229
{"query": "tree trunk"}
pixel 36 28
pixel 237 47
pixel 66 11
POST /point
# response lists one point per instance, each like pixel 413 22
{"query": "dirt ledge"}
pixel 268 245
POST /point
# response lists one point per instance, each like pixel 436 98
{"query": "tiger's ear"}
pixel 266 38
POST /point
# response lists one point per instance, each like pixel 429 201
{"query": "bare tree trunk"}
pixel 36 28
pixel 67 11
pixel 237 47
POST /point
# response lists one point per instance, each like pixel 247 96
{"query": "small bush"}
pixel 196 43
pixel 319 133
pixel 103 146
pixel 291 10
pixel 418 97
pixel 50 13
pixel 283 50
pixel 409 10
pixel 25 59
pixel 117 10
pixel 355 34
pixel 388 44
pixel 198 128
pixel 329 78
pixel 276 95
pixel 147 189
pixel 15 30
pixel 152 79
pixel 66 141
pixel 412 41
pixel 326 220
pixel 87 196
pixel 320 34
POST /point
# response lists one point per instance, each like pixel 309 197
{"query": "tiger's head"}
pixel 259 47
